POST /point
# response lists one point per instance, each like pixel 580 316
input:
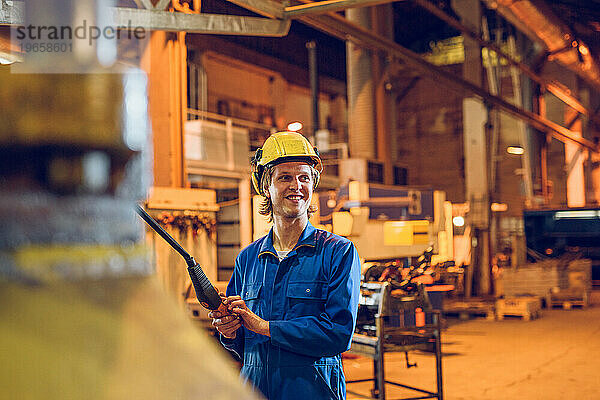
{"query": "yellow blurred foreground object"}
pixel 116 338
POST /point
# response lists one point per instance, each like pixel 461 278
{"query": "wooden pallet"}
pixel 568 300
pixel 526 307
pixel 468 309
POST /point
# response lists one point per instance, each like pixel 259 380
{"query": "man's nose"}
pixel 295 184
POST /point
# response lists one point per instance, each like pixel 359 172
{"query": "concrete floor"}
pixel 554 357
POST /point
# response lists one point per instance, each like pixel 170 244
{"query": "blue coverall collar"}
pixel 307 238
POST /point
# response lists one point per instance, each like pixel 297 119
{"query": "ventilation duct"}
pixel 560 42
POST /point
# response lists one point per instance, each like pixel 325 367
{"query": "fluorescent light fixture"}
pixel 7 58
pixel 135 132
pixel 458 221
pixel 294 126
pixel 518 150
pixel 499 207
pixel 584 214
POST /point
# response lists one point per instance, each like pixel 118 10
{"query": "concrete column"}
pixel 475 140
pixel 165 62
pixel 556 154
pixel 361 117
pixel 574 155
pixel 339 117
pixel 382 22
pixel 574 159
pixel 591 160
pixel 592 132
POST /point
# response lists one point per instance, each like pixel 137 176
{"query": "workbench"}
pixel 391 335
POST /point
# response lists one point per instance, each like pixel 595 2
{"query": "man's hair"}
pixel 266 206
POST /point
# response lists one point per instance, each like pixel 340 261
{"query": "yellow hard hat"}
pixel 283 147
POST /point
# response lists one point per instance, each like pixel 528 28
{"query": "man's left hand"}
pixel 253 322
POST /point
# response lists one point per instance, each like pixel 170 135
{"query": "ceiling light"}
pixel 6 61
pixel 518 150
pixel 499 207
pixel 294 126
pixel 458 221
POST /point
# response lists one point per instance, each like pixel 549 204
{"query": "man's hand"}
pixel 253 322
pixel 226 324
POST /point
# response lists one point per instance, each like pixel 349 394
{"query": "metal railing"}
pixel 257 132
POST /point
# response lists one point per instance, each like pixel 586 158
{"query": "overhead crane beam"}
pixel 266 8
pixel 153 17
pixel 320 7
pixel 217 24
pixel 273 9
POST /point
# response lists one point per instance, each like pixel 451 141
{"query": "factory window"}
pixel 331 169
pixel 400 176
pixel 223 108
pixel 375 172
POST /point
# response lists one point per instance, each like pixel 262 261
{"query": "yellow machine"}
pixel 389 222
pixel 83 315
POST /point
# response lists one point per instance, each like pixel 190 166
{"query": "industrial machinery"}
pixel 399 232
pixel 388 222
pixel 382 326
pixel 189 216
pixel 83 316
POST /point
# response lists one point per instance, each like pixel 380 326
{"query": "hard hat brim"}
pixel 310 160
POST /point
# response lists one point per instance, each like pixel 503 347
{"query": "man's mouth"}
pixel 294 197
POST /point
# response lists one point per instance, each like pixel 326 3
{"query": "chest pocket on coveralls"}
pixel 251 296
pixel 306 298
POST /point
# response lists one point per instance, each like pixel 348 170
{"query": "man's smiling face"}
pixel 291 189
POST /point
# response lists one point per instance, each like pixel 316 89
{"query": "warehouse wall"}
pixel 239 89
pixel 244 90
pixel 429 138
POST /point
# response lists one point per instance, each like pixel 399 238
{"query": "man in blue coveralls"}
pixel 294 292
